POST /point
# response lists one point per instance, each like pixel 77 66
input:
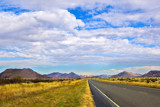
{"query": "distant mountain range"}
pixel 125 74
pixel 104 76
pixel 30 74
pixel 152 73
pixel 95 76
pixel 24 73
pixel 63 75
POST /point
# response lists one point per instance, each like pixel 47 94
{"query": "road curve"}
pixel 114 95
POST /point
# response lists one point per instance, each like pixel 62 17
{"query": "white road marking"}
pixel 105 95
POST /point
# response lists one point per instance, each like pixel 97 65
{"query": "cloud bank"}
pixel 49 34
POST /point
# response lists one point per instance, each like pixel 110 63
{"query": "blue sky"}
pixel 86 37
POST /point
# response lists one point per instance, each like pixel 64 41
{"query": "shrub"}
pixel 16 79
pixel 154 80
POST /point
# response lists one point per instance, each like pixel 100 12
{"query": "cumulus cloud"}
pixel 123 4
pixel 27 29
pixel 88 73
pixel 146 35
pixel 48 35
pixel 95 46
pixel 143 69
pixel 112 71
pixel 138 70
pixel 123 18
pixel 58 19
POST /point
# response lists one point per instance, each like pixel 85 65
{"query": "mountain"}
pixel 55 74
pixel 152 73
pixel 104 76
pixel 125 75
pixel 24 73
pixel 63 75
pixel 89 76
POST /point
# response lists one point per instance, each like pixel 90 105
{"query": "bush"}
pixel 17 79
pixel 148 81
pixel 154 80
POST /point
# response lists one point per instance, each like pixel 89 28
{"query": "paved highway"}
pixel 115 95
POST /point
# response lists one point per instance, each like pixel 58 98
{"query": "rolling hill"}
pixel 24 73
pixel 152 73
pixel 125 74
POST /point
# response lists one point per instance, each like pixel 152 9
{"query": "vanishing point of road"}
pixel 119 95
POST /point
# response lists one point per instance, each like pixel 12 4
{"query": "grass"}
pixel 57 94
pixel 88 99
pixel 15 90
pixel 153 82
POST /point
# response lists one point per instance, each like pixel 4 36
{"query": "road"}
pixel 114 95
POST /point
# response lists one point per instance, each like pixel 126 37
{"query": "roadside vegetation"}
pixel 67 93
pixel 19 79
pixel 153 82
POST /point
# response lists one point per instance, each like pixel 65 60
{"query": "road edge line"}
pixel 105 95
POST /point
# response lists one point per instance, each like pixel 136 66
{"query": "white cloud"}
pixel 146 35
pixel 143 69
pixel 112 71
pixel 123 4
pixel 121 18
pixel 47 35
pixel 138 70
pixel 80 47
pixel 58 19
pixel 87 73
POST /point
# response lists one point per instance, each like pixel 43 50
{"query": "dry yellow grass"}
pixel 15 90
pixel 87 98
pixel 64 94
pixel 138 83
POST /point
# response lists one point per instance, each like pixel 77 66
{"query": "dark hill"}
pixel 125 75
pixel 54 74
pixel 24 73
pixel 153 73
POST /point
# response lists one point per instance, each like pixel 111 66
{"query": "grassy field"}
pixel 153 82
pixel 75 93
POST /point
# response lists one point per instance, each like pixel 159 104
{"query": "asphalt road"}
pixel 114 95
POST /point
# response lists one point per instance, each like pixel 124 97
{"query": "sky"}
pixel 88 37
